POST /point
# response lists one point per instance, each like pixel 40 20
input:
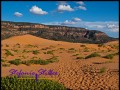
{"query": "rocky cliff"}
pixel 59 33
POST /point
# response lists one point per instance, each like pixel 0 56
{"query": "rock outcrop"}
pixel 59 33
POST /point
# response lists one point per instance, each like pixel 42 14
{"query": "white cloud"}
pixel 76 19
pixel 67 22
pixel 64 8
pixel 71 22
pixel 80 2
pixel 113 27
pixel 18 14
pixel 82 7
pixel 37 10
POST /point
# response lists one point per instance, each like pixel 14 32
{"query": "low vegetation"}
pixel 79 57
pixel 8 53
pixel 82 46
pixel 49 52
pixel 75 55
pixel 6 65
pixel 61 48
pixel 15 62
pixel 86 49
pixel 39 61
pixel 102 70
pixel 92 55
pixel 110 56
pixel 71 50
pixel 2 60
pixel 35 52
pixel 101 45
pixel 13 83
pixel 7 45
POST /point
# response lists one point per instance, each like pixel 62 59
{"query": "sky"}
pixel 92 15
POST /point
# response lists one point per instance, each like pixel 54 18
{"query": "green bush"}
pixel 40 61
pixel 7 45
pixel 2 60
pixel 13 83
pixel 92 55
pixel 116 53
pixel 15 62
pixel 86 50
pixel 102 70
pixel 53 59
pixel 62 48
pixel 75 55
pixel 15 51
pixel 49 52
pixel 82 46
pixel 71 49
pixel 35 52
pixel 100 45
pixel 8 53
pixel 5 65
pixel 109 56
pixel 79 57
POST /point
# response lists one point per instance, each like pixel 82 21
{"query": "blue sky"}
pixel 93 15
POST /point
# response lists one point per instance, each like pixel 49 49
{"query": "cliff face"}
pixel 62 33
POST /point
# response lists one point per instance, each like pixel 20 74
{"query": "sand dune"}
pixel 76 74
pixel 26 39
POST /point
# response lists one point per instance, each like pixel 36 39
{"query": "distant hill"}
pixel 53 32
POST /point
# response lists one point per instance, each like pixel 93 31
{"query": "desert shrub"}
pixel 45 48
pixel 29 45
pixel 52 59
pixel 2 60
pixel 52 46
pixel 82 46
pixel 109 56
pixel 86 50
pixel 79 57
pixel 116 53
pixel 15 50
pixel 75 55
pixel 13 83
pixel 7 45
pixel 102 70
pixel 40 61
pixel 26 51
pixel 17 45
pixel 49 52
pixel 35 52
pixel 100 45
pixel 8 53
pixel 92 55
pixel 62 48
pixel 109 61
pixel 5 65
pixel 33 57
pixel 114 46
pixel 71 49
pixel 15 62
pixel 26 63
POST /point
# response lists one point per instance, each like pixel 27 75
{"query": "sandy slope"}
pixel 76 74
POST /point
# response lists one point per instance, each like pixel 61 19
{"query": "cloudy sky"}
pixel 93 15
